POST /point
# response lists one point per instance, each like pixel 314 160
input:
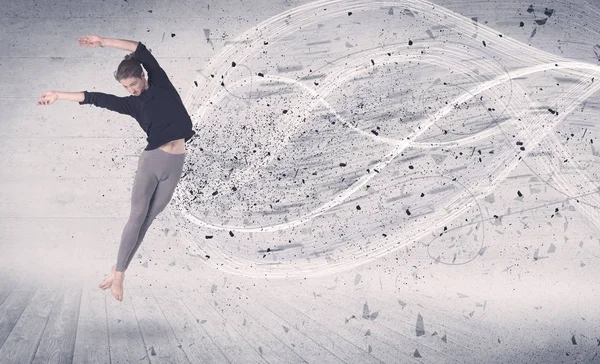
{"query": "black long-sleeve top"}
pixel 159 109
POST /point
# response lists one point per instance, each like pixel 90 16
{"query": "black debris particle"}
pixel 530 9
pixel 373 62
pixel 358 207
pixel 285 329
pixel 410 42
pixel 152 351
pixel 596 50
pixel 444 339
pixel 573 340
pixel 408 212
pixel 196 83
pixel 208 236
pixel 519 143
pixel 172 35
pixel 231 233
pixel 260 74
pixel 215 193
pixel 417 354
pixel 349 13
pixel 521 24
pixel 374 132
pixel 422 194
pixel 483 41
pixel 150 11
pixel 553 112
pixel 411 167
pixel 265 42
pixel 233 64
pixel 285 111
pixel 234 188
pixel 391 11
pixel 519 194
pixel 420 328
pixel 533 33
pixel 548 12
pixel 343 164
pixel 541 21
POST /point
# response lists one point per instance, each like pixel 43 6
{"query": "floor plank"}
pixel 269 345
pixel 158 335
pixel 22 343
pixel 125 339
pixel 12 308
pixel 58 340
pixel 196 341
pixel 91 344
pixel 237 347
pixel 295 320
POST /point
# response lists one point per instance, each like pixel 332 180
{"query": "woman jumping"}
pixel 158 108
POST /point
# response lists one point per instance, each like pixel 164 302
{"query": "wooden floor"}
pixel 70 320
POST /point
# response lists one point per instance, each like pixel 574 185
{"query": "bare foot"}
pixel 117 285
pixel 107 282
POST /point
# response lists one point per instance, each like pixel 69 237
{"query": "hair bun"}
pixel 129 56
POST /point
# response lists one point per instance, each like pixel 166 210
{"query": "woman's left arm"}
pixel 96 41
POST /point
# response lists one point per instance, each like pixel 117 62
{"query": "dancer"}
pixel 159 110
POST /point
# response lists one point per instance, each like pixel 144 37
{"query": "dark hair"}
pixel 129 67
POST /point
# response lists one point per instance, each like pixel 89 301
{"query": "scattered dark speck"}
pixel 265 42
pixel 231 233
pixel 407 212
pixel 420 329
pixel 444 339
pixel 172 35
pixel 343 164
pixel 358 207
pixel 208 236
pixel 422 194
pixel 285 111
pixel 410 42
pixel 373 62
pixel 215 193
pixel 417 354
pixel 374 132
pixel 260 74
pixel 548 12
pixel 521 24
pixel 573 340
pixel 196 83
pixel 349 13
pixel 552 111
pixel 152 351
pixel 483 41
pixel 150 11
pixel 233 64
pixel 519 194
pixel 411 167
pixel 530 9
pixel 541 21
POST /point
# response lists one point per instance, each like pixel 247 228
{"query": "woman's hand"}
pixel 90 41
pixel 48 98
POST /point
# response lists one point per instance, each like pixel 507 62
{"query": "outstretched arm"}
pixel 122 105
pixel 96 41
pixel 49 97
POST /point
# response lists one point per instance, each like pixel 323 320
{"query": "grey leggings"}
pixel 157 175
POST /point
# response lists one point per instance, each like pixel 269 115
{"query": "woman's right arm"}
pixel 122 105
pixel 50 96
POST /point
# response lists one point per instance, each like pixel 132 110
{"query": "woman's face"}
pixel 134 85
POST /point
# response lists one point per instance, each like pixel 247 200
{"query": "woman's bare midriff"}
pixel 174 147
